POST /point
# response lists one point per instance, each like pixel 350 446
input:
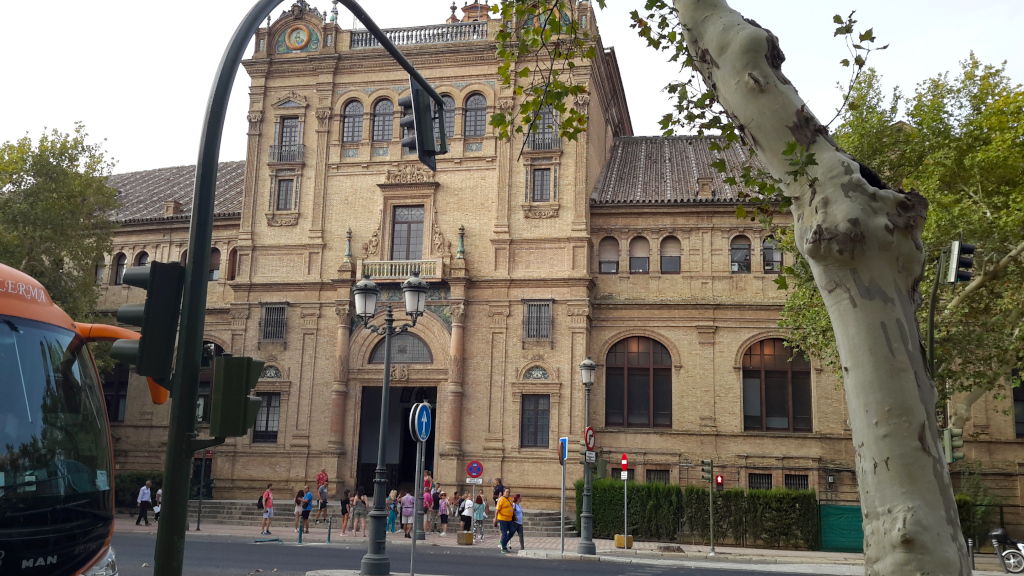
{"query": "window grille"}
pixel 475 121
pixel 406 348
pixel 267 419
pixel 535 420
pixel 273 323
pixel 352 128
pixel 449 118
pixel 285 194
pixel 759 481
pixel 545 132
pixel 541 185
pixel 661 476
pixel 797 482
pixel 383 120
pixel 537 320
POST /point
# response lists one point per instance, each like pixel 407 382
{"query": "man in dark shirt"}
pixel 499 489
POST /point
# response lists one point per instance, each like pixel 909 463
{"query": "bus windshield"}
pixel 56 502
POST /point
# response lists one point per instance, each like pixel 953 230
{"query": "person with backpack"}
pixel 503 517
pixel 479 515
pixel 266 503
pixel 392 505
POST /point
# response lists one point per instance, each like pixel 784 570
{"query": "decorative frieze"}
pixel 408 174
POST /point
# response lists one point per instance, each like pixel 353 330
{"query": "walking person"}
pixel 307 508
pixel 346 503
pixel 408 513
pixel 466 512
pixel 392 505
pixel 479 515
pixel 298 508
pixel 145 502
pixel 158 504
pixel 359 512
pixel 499 489
pixel 322 482
pixel 268 509
pixel 517 510
pixel 503 517
pixel 443 507
pixel 428 506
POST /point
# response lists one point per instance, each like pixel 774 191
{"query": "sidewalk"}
pixel 642 553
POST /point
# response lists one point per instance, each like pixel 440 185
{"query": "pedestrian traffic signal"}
pixel 952 441
pixel 959 263
pixel 708 469
pixel 583 452
pixel 153 353
pixel 418 125
pixel 233 411
pixel 719 482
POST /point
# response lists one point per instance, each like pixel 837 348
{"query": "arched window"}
pixel 214 264
pixel 776 388
pixel 608 255
pixel 142 259
pixel 740 255
pixel 120 265
pixel 232 264
pixel 383 120
pixel 639 255
pixel 449 116
pixel 638 384
pixel 352 123
pixel 475 122
pixel 184 257
pixel 545 131
pixel 101 273
pixel 406 348
pixel 771 255
pixel 671 255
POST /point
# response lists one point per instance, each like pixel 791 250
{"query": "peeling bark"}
pixel 863 244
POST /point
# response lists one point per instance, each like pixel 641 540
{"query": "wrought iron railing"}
pixel 536 142
pixel 400 268
pixel 439 34
pixel 288 153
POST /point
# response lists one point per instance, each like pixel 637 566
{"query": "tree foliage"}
pixel 55 210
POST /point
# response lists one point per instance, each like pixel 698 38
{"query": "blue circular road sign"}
pixel 420 422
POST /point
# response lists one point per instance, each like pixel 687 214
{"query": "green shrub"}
pixel 127 485
pixel 655 509
pixel 783 518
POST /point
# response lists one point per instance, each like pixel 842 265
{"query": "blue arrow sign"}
pixel 423 422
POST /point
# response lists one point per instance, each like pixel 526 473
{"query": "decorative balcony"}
pixel 543 142
pixel 438 34
pixel 400 269
pixel 288 153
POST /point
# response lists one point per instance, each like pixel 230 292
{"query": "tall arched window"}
pixel 232 264
pixel 406 348
pixel 608 255
pixel 352 124
pixel 638 384
pixel 639 255
pixel 142 259
pixel 383 120
pixel 120 265
pixel 475 121
pixel 214 264
pixel 671 255
pixel 739 255
pixel 771 256
pixel 449 116
pixel 776 388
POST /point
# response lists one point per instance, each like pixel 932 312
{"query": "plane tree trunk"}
pixel 863 243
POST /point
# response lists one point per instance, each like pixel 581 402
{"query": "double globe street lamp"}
pixel 586 544
pixel 365 293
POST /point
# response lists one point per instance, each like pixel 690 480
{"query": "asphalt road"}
pixel 231 556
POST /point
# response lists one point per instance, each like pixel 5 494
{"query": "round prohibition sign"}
pixel 475 469
pixel 588 438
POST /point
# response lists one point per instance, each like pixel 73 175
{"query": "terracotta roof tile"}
pixel 665 170
pixel 142 194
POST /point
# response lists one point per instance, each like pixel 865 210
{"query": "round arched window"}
pixel 776 388
pixel 352 125
pixel 383 120
pixel 638 384
pixel 406 348
pixel 475 122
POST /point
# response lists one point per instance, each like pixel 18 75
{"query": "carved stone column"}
pixel 453 424
pixel 252 154
pixel 323 118
pixel 581 193
pixel 339 392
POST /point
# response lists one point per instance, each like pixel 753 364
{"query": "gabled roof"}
pixel 143 194
pixel 665 170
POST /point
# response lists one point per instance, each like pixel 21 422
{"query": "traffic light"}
pixel 708 469
pixel 719 483
pixel 959 263
pixel 233 411
pixel 583 452
pixel 952 441
pixel 418 125
pixel 153 353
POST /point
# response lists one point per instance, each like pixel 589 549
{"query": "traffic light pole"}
pixel 181 433
pixel 586 544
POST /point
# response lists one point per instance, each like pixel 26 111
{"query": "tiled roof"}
pixel 665 169
pixel 142 194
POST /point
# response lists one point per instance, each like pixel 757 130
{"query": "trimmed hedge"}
pixel 655 509
pixel 127 485
pixel 667 512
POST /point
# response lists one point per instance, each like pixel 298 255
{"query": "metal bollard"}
pixel 970 552
pixel 300 531
pixel 999 554
pixel 328 529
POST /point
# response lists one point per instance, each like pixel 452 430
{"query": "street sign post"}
pixel 563 454
pixel 588 438
pixel 420 422
pixel 625 503
pixel 591 456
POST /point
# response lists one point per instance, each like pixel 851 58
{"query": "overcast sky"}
pixel 138 74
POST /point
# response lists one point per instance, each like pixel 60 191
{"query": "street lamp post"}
pixel 376 561
pixel 586 544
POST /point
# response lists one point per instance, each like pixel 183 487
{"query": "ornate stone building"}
pixel 538 254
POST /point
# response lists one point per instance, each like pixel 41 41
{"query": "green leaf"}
pixel 719 165
pixel 790 149
pixel 741 212
pixel 780 282
pixel 867 36
pixel 837 19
